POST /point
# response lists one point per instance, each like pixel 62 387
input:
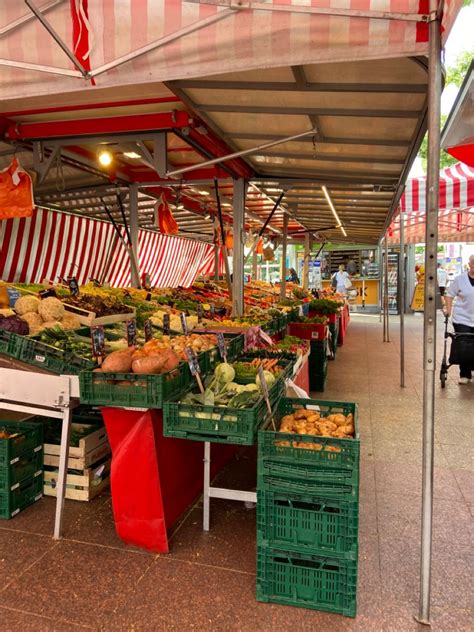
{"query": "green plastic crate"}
pixel 28 439
pixel 27 492
pixel 217 424
pixel 235 346
pixel 333 334
pixel 24 467
pixel 338 454
pixel 285 364
pixel 308 581
pixel 141 391
pixel 308 524
pixel 41 355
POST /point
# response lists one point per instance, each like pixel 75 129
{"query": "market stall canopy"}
pixel 456 207
pixel 457 137
pixel 214 78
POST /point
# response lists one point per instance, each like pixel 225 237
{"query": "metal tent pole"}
pixel 283 256
pixel 254 266
pixel 401 282
pixel 382 292
pixel 216 261
pixel 238 250
pixel 429 333
pixel 386 301
pixel 306 262
pixel 133 249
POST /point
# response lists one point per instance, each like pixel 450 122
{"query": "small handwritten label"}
pixel 193 361
pixel 46 293
pixel 184 323
pixel 131 332
pixel 221 345
pixel 98 341
pixel 213 310
pixel 73 286
pixel 148 330
pixel 199 313
pixel 166 324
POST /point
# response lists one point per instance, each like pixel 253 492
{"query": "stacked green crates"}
pixel 333 335
pixel 21 466
pixel 318 365
pixel 308 515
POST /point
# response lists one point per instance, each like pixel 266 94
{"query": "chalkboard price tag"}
pixel 148 296
pixel 213 310
pixel 184 323
pixel 73 286
pixel 131 332
pixel 222 346
pixel 98 341
pixel 166 324
pixel 199 313
pixel 148 330
pixel 193 361
pixel 47 293
pixel 265 337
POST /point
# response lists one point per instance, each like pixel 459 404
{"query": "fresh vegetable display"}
pixel 221 390
pixel 249 370
pixel 313 320
pixel 325 306
pixel 44 314
pixel 100 305
pixel 293 344
pixel 14 325
pixel 311 422
pixel 67 341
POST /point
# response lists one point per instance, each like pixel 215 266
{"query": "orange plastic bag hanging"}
pixel 164 217
pixel 259 248
pixel 229 239
pixel 16 192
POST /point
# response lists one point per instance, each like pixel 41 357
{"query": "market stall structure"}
pixel 201 109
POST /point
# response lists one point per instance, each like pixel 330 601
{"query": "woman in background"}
pixel 343 280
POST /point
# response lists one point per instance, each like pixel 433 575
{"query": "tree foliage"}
pixel 454 76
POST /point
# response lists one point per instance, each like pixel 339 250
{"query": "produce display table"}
pixel 343 324
pixel 154 478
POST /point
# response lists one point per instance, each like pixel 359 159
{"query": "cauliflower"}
pixel 51 309
pixel 26 305
pixel 50 324
pixel 34 321
pixel 70 321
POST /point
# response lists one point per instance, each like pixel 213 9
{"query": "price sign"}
pixel 213 310
pixel 222 346
pixel 148 330
pixel 265 337
pixel 73 286
pixel 148 296
pixel 131 332
pixel 166 324
pixel 300 311
pixel 13 296
pixel 264 389
pixel 199 313
pixel 193 361
pixel 98 341
pixel 184 323
pixel 48 292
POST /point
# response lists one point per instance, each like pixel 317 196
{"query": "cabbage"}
pixel 15 325
pixel 224 373
pixel 269 379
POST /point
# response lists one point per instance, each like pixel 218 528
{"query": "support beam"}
pixel 301 84
pixel 334 140
pixel 401 301
pixel 302 111
pixel 43 164
pixel 283 257
pixel 134 265
pixel 240 187
pixel 429 333
pixel 329 157
pixel 307 253
pixel 255 266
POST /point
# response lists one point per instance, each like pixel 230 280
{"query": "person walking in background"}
pixel 343 280
pixel 351 267
pixel 293 278
pixel 442 277
pixel 460 305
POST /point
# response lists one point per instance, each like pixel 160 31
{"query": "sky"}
pixel 459 40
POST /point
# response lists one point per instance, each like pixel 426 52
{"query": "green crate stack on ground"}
pixel 21 466
pixel 308 515
pixel 318 365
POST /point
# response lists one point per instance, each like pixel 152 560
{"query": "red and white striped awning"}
pixel 456 207
pixel 52 244
pixel 456 190
pixel 122 42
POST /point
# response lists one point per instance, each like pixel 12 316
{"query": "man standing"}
pixel 442 281
pixel 460 304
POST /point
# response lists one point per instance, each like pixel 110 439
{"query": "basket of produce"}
pixel 309 581
pixel 227 412
pixel 246 367
pixel 308 524
pixel 17 439
pixel 93 309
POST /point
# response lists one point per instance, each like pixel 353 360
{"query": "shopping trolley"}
pixel 461 351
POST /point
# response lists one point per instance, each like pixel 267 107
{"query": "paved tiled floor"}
pixel 91 580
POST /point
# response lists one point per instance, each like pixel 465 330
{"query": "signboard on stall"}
pixel 418 300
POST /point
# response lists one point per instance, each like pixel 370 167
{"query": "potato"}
pixel 148 366
pixel 339 420
pixel 171 360
pixel 118 361
pixel 314 417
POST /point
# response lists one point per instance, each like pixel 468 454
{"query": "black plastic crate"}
pixel 308 524
pixel 307 581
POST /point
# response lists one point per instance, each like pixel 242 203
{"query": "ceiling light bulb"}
pixel 131 154
pixel 105 158
pixel 204 192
